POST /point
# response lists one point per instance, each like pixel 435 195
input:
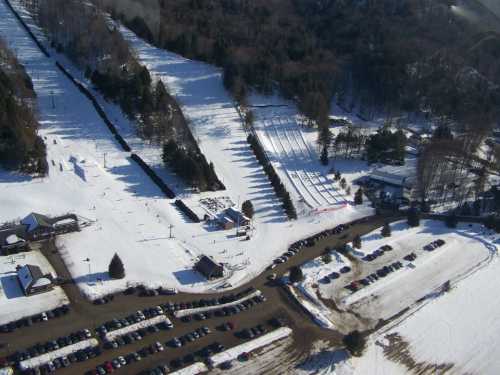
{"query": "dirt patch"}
pixel 398 350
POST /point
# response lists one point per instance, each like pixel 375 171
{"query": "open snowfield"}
pixel 92 177
pixel 13 303
pixel 465 251
pixel 458 328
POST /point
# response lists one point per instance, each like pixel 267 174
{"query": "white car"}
pixel 159 346
pixel 44 317
pixel 87 333
pixel 122 360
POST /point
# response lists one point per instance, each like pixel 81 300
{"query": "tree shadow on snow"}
pixel 324 360
pixel 93 278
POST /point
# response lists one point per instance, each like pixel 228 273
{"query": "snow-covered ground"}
pixel 249 346
pixel 279 128
pixel 456 328
pixel 13 303
pixel 465 251
pixel 91 176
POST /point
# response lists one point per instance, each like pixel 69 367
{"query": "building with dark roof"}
pixel 33 281
pixel 34 227
pixel 209 268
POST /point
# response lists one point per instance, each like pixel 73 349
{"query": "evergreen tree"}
pixel 451 220
pixel 296 275
pixel 343 183
pixel 326 258
pixel 116 269
pixel 324 156
pixel 355 343
pixel 358 197
pixel 386 230
pixel 247 209
pixel 413 217
pixel 338 176
pixel 356 242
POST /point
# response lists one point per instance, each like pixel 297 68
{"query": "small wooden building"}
pixel 33 281
pixel 209 268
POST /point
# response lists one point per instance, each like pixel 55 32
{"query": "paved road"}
pixel 86 315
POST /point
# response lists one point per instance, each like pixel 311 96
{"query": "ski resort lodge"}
pixel 34 227
pixel 209 268
pixel 33 281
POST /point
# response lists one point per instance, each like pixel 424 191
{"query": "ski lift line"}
pixel 307 153
pixel 285 153
pixel 297 159
pixel 299 192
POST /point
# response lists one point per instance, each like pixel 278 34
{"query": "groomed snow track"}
pixel 292 152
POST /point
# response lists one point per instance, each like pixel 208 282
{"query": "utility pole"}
pixel 88 261
pixel 104 155
pixel 171 227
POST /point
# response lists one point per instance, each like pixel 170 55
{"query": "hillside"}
pixel 20 147
pixel 388 55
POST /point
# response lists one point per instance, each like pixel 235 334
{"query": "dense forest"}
pixel 20 147
pixel 388 55
pixel 91 42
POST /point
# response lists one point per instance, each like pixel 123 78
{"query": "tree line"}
pixel 81 31
pixel 20 146
pixel 380 55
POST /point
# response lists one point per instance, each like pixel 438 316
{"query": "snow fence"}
pixel 200 310
pixel 136 326
pixel 247 347
pixel 50 356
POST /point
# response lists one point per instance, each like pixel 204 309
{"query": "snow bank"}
pixel 47 357
pixel 198 310
pixel 134 327
pixel 194 369
pixel 315 311
pixel 247 347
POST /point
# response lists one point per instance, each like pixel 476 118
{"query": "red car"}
pixel 109 367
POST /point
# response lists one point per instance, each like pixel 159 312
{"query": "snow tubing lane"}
pixel 27 29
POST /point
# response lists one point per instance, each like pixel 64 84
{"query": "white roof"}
pixel 43 281
pixel 12 239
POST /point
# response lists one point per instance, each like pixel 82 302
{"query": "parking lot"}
pixel 84 315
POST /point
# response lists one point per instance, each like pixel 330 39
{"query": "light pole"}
pixel 88 261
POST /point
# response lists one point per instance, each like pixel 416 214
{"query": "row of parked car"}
pixel 65 361
pixel 177 342
pixel 137 317
pixel 335 275
pixel 121 361
pixel 138 335
pixel 377 253
pixel 434 245
pixel 226 310
pixel 250 333
pixel 188 359
pixel 38 318
pixel 49 346
pixel 308 242
pixel 171 307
